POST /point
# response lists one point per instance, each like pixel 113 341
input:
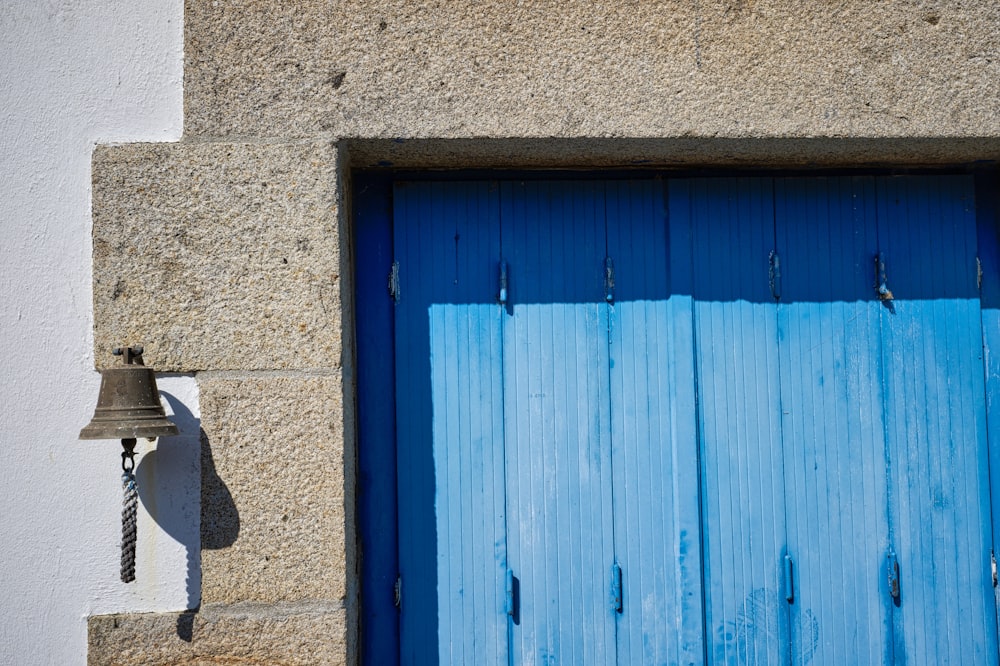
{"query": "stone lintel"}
pixel 490 69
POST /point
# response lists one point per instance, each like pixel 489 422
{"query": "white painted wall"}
pixel 75 73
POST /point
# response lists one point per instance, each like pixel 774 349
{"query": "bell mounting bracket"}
pixel 133 355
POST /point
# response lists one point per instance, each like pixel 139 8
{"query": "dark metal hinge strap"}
pixel 394 281
pixel 789 580
pixel 502 294
pixel 774 274
pixel 609 280
pixel 892 571
pixel 616 588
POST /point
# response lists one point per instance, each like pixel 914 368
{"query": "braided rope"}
pixel 129 508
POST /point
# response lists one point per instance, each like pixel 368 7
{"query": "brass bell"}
pixel 128 406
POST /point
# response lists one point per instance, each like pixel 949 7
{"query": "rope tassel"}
pixel 130 504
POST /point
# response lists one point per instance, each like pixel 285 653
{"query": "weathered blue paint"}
pixel 557 414
pixel 731 223
pixel 936 421
pixel 450 426
pixel 836 502
pixel 748 448
pixel 653 431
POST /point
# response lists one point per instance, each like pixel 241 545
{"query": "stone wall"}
pixel 228 254
pixel 626 68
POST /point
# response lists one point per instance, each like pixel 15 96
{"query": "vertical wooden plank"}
pixel 415 464
pixel 450 424
pixel 936 421
pixel 988 226
pixel 694 640
pixel 831 412
pixel 376 422
pixel 653 434
pixel 557 422
pixel 735 334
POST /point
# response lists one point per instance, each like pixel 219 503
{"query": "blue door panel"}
pixel 557 422
pixel 831 421
pixel 730 222
pixel 653 433
pixel 377 500
pixel 450 425
pixel 988 227
pixel 936 421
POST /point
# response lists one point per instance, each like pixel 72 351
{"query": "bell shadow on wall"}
pixel 173 477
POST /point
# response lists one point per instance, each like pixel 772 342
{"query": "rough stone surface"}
pixel 242 634
pixel 577 68
pixel 273 514
pixel 220 256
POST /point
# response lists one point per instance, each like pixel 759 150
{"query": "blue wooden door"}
pixel 731 226
pixel 646 421
pixel 557 414
pixel 831 397
pixel 535 425
pixel 842 443
pixel 935 412
pixel 450 426
pixel 653 430
pixel 603 526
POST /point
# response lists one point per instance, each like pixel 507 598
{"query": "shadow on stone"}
pixel 220 521
pixel 185 626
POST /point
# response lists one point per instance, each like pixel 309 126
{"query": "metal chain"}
pixel 129 508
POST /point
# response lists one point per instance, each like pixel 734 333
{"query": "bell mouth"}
pixel 128 424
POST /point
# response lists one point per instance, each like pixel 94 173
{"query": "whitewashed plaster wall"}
pixel 76 73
